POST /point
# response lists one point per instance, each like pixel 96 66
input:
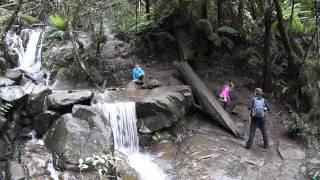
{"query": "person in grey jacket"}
pixel 257 106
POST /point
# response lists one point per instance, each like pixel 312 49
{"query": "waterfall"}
pixel 122 117
pixel 30 56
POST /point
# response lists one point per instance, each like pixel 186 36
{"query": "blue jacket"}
pixel 137 72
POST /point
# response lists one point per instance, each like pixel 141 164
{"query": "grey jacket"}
pixel 251 103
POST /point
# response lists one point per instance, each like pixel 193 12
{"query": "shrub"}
pixel 59 21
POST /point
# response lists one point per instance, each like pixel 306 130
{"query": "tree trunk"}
pixel 148 9
pixel 292 68
pixel 208 102
pixel 267 75
pixel 219 5
pixel 204 9
pixel 253 10
pixel 240 15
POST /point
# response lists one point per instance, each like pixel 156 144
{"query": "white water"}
pixel 29 56
pixel 122 117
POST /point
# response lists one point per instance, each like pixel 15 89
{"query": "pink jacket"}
pixel 225 94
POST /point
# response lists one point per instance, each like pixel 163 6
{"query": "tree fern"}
pixel 59 21
pixel 4 108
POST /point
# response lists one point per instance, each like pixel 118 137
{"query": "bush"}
pixel 59 21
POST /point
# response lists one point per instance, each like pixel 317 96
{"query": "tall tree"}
pixel 267 75
pixel 219 5
pixel 148 9
pixel 292 67
pixel 204 9
pixel 240 15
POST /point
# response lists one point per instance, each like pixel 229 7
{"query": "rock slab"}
pixel 289 151
pixel 64 99
pixel 158 108
pixel 73 138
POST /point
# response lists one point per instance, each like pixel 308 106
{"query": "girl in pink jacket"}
pixel 224 96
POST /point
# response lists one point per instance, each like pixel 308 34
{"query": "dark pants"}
pixel 261 123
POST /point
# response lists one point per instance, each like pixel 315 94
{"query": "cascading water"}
pixel 29 57
pixel 122 117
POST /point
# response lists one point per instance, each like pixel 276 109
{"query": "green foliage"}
pixel 302 19
pixel 54 33
pixel 158 136
pixel 4 108
pixel 227 30
pixel 3 65
pixel 58 21
pixel 97 37
pixel 205 26
pixel 102 164
pixel 5 16
pixel 215 39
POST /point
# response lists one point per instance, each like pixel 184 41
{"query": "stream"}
pixel 197 147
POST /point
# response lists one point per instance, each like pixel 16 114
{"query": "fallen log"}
pixel 207 101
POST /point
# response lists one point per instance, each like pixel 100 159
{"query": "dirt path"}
pixel 204 150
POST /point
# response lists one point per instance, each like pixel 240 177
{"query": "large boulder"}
pixel 73 137
pixel 6 82
pixel 14 74
pixel 36 99
pixel 124 170
pixel 60 54
pixel 65 100
pixel 37 161
pixel 43 121
pixel 13 94
pixel 157 108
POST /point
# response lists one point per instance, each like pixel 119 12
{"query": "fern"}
pixel 205 26
pixel 59 21
pixel 215 39
pixel 4 108
pixel 227 30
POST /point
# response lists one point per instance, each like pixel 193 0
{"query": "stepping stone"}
pixel 290 151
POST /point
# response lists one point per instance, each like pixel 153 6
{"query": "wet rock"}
pixel 124 170
pixel 6 82
pixel 36 98
pixel 3 148
pixel 153 84
pixel 157 108
pixel 65 100
pixel 14 171
pixel 26 121
pixel 12 130
pixel 83 112
pixel 73 138
pixel 71 175
pixel 43 121
pixel 14 58
pixel 156 113
pixel 58 55
pixel 14 74
pixel 313 165
pixel 12 94
pixel 35 161
pixel 3 122
pixel 290 151
pixel 61 53
pixel 145 139
pixel 132 86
